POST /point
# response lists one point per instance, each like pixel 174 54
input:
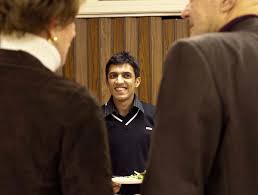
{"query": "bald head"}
pixel 210 15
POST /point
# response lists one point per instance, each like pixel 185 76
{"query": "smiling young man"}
pixel 129 121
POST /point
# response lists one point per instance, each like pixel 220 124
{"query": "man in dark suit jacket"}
pixel 205 141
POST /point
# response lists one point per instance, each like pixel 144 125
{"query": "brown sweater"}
pixel 52 138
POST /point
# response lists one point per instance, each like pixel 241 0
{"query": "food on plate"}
pixel 138 175
pixel 135 178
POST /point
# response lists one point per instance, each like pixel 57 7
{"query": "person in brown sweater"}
pixel 52 136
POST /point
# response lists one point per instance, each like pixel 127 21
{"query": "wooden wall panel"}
pixel 69 67
pixel 118 34
pixel 180 30
pixel 144 61
pixel 131 36
pixel 169 32
pixel 80 49
pixel 105 53
pixel 147 38
pixel 156 56
pixel 93 54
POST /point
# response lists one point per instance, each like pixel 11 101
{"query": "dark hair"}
pixel 120 58
pixel 34 16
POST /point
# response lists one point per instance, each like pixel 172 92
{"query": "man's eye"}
pixel 127 75
pixel 112 75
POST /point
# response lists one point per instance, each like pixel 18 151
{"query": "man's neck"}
pixel 242 8
pixel 123 107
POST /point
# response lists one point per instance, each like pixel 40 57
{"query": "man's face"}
pixel 203 16
pixel 121 82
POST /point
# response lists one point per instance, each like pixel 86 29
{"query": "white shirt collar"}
pixel 37 46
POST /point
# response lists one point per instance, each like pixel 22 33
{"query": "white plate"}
pixel 126 180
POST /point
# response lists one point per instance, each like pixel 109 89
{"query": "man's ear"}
pixel 138 81
pixel 227 5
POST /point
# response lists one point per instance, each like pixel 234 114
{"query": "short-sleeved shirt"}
pixel 129 136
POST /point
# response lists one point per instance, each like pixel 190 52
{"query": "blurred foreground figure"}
pixel 205 141
pixel 53 141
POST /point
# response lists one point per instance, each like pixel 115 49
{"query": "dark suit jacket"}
pixel 52 140
pixel 206 136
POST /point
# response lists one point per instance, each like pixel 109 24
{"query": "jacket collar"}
pixel 242 23
pixel 111 108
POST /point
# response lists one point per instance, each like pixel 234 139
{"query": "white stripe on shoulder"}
pixel 120 120
pixel 132 118
pixel 149 128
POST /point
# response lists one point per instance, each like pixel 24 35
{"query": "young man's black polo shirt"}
pixel 129 139
pixel 129 136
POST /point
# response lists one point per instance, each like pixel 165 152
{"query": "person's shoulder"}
pixel 149 112
pixel 210 46
pixel 210 41
pixel 68 96
pixel 149 105
pixel 148 108
pixel 66 88
pixel 197 41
